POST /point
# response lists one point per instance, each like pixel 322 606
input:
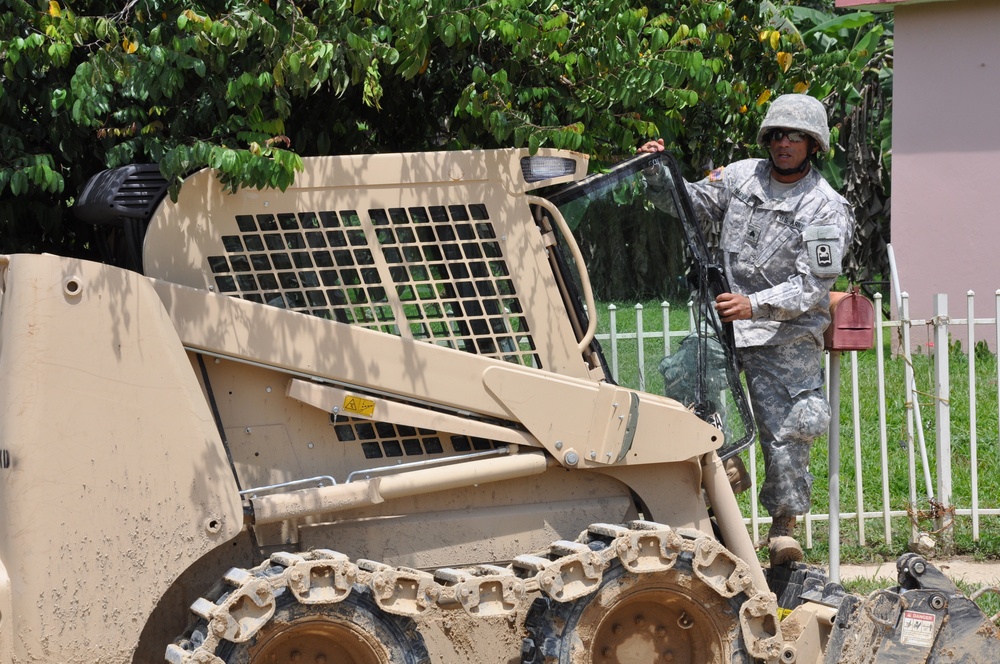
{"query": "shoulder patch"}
pixel 824 245
pixel 716 175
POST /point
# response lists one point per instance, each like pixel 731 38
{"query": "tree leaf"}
pixel 58 98
pixel 784 60
pixel 845 22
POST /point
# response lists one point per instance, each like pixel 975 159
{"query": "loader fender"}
pixel 6 617
pixel 115 479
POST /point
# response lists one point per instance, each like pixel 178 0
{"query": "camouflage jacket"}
pixel 783 252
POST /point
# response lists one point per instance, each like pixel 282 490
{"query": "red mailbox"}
pixel 853 322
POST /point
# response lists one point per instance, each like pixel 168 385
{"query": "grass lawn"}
pixel 896 461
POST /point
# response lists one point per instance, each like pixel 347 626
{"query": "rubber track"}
pixel 238 607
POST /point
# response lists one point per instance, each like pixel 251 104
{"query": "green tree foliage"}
pixel 248 87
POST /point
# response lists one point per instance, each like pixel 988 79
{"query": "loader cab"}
pixel 362 267
pixel 699 368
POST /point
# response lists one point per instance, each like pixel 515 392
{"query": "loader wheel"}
pixel 668 616
pixel 352 631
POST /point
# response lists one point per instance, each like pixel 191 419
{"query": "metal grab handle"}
pixel 588 292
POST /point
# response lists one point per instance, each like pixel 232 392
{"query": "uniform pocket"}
pixel 777 241
pixel 735 227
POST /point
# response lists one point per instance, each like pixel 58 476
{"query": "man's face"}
pixel 788 153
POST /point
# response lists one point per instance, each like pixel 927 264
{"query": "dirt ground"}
pixel 970 571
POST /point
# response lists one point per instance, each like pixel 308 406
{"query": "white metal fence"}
pixel 931 463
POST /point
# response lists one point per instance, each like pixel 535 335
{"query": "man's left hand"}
pixel 733 306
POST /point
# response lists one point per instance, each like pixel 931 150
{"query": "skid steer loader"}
pixel 366 420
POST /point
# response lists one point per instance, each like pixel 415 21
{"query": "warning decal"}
pixel 359 406
pixel 918 629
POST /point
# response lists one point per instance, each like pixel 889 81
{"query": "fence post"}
pixel 640 340
pixel 973 425
pixel 911 396
pixel 613 324
pixel 833 454
pixel 665 309
pixel 942 409
pixel 883 437
pixel 859 489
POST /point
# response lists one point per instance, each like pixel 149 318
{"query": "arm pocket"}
pixel 825 249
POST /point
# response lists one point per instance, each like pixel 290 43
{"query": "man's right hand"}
pixel 733 306
pixel 652 146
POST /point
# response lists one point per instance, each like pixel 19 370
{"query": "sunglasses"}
pixel 794 135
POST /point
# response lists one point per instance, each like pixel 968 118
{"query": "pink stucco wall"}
pixel 946 153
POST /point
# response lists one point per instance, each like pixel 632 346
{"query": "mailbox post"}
pixel 852 327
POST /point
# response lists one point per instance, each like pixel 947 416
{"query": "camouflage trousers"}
pixel 785 384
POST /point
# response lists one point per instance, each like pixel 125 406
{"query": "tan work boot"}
pixel 736 472
pixel 781 545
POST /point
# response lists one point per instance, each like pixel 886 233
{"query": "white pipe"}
pixel 914 401
pixel 911 384
pixel 894 275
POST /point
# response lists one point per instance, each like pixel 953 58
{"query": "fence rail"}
pixel 930 479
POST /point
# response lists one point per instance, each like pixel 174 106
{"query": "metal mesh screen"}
pixel 434 273
pixel 386 440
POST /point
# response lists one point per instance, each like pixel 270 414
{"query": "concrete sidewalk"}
pixel 970 571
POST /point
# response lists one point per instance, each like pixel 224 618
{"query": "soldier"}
pixel 784 231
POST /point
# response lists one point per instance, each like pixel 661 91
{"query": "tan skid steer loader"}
pixel 366 420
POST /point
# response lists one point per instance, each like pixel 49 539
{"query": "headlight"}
pixel 538 168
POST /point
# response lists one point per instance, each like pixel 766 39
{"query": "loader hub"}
pixel 316 640
pixel 655 626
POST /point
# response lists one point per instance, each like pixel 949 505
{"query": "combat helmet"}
pixel 796 111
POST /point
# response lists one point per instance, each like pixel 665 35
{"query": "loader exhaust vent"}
pixel 434 273
pixel 386 440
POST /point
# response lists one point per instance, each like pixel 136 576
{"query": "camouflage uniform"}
pixel 784 253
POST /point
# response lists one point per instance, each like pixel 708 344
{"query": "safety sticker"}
pixel 918 629
pixel 359 406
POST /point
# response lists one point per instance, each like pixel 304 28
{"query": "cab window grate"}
pixel 441 269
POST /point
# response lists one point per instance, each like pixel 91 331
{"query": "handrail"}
pixel 284 485
pixel 574 248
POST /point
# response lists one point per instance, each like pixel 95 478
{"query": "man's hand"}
pixel 733 306
pixel 652 146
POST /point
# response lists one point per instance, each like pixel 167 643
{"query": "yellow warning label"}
pixel 359 406
pixel 783 613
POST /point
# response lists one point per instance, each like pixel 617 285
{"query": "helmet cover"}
pixel 796 111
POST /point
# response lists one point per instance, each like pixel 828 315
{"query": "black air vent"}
pixel 129 192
